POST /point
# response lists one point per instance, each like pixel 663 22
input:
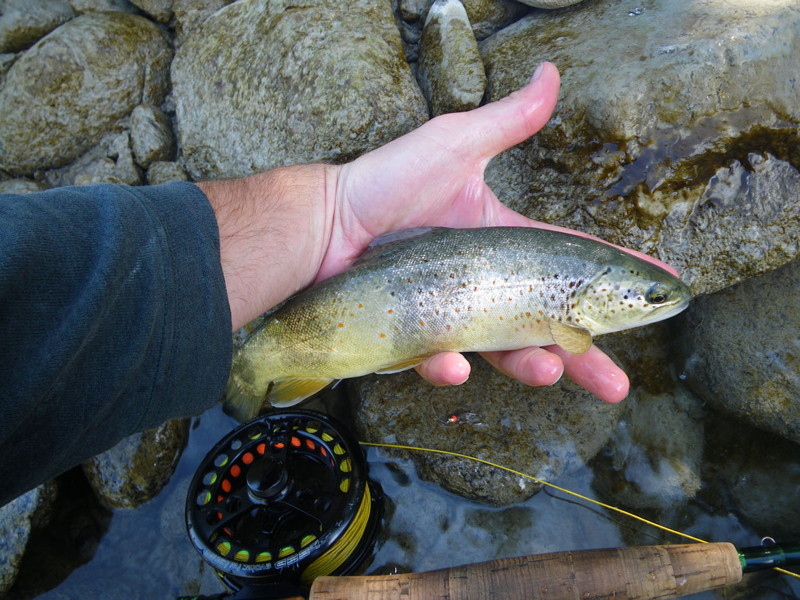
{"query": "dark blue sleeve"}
pixel 113 318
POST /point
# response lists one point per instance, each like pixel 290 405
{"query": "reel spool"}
pixel 281 500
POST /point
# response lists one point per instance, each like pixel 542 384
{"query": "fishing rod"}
pixel 282 508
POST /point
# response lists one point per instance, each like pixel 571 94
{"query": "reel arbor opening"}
pixel 284 498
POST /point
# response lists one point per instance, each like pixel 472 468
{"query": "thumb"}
pixel 499 125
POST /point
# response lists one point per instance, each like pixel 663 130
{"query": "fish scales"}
pixel 427 291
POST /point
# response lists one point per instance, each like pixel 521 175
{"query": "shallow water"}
pixel 145 553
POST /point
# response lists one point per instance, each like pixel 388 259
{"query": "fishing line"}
pixel 558 488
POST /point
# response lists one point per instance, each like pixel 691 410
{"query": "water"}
pixel 145 553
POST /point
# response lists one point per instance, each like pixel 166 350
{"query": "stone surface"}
pixel 543 432
pixel 450 73
pixel 489 16
pixel 189 14
pixel 673 143
pixel 107 163
pixel 23 22
pixel 654 458
pixel 88 6
pixel 551 4
pixel 151 135
pixel 17 519
pixel 321 82
pixel 165 172
pixel 75 84
pixel 742 351
pixel 138 467
pixel 160 10
pixel 21 186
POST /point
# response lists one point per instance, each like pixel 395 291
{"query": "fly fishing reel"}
pixel 281 500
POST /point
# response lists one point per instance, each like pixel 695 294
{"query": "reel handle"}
pixel 643 572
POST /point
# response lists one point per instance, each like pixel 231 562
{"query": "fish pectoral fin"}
pixel 406 363
pixel 291 390
pixel 575 340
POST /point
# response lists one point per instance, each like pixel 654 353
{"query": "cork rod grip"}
pixel 641 573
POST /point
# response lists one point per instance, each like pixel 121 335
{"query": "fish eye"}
pixel 657 294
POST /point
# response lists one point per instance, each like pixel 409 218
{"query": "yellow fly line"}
pixel 558 488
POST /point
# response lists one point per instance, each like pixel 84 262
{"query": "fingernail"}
pixel 537 73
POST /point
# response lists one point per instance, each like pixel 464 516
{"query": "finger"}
pixel 596 372
pixel 445 368
pixel 531 366
pixel 499 125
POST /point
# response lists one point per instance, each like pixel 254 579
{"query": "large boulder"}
pixel 741 350
pixel 74 85
pixel 23 22
pixel 262 84
pixel 676 130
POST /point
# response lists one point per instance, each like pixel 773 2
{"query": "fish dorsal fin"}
pixel 575 340
pixel 291 390
pixel 404 364
pixel 388 242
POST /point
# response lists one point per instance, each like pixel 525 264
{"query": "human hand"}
pixel 434 176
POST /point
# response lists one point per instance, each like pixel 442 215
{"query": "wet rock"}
pixel 753 475
pixel 341 90
pixel 451 73
pixel 21 186
pixel 137 468
pixel 23 22
pixel 165 172
pixel 742 352
pixel 160 10
pixel 489 16
pixel 654 458
pixel 543 432
pixel 75 84
pixel 17 519
pixel 151 135
pixel 649 124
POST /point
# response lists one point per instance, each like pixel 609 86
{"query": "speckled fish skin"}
pixel 426 291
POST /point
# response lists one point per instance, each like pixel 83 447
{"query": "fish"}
pixel 421 291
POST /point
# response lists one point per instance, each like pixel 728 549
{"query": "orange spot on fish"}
pixel 383 335
pixel 341 324
pixel 390 311
pixel 422 323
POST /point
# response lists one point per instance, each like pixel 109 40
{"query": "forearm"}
pixel 274 230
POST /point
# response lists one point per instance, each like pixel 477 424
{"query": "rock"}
pixel 75 84
pixel 138 467
pixel 412 11
pixel 751 474
pixel 115 164
pixel 165 172
pixel 160 10
pixel 88 6
pixel 490 16
pixel 17 519
pixel 550 4
pixel 649 125
pixel 742 354
pixel 654 459
pixel 21 186
pixel 151 135
pixel 23 22
pixel 451 73
pixel 543 432
pixel 189 14
pixel 341 90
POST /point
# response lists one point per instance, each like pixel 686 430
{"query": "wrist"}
pixel 274 230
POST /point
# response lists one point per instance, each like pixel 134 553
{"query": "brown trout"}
pixel 418 292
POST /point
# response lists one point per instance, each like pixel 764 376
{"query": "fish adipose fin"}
pixel 291 390
pixel 574 340
pixel 404 364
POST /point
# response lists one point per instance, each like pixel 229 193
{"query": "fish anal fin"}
pixel 574 340
pixel 406 363
pixel 292 390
